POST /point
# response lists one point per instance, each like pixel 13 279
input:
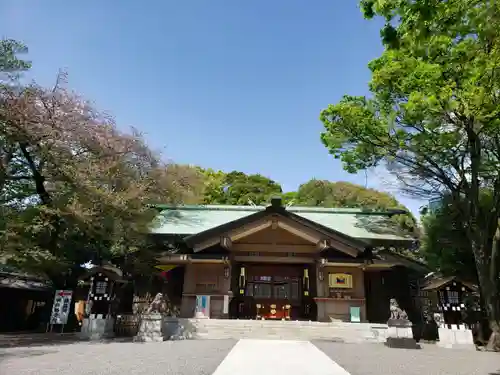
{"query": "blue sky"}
pixel 226 84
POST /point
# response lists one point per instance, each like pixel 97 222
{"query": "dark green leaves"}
pixel 9 60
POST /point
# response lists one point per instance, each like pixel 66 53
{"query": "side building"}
pixel 292 263
pixel 25 300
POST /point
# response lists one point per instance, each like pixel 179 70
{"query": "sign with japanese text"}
pixel 61 307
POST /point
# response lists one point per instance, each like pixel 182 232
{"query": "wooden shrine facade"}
pixel 274 263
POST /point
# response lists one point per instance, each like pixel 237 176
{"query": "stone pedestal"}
pixel 200 315
pixel 400 334
pixel 459 338
pixel 150 328
pixel 177 328
pixel 97 328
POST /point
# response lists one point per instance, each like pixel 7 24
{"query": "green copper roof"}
pixel 189 220
pixel 355 223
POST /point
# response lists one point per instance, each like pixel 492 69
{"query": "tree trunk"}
pixel 491 296
pixel 494 341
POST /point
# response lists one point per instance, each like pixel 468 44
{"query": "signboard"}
pixel 355 313
pixel 340 280
pixel 203 305
pixel 61 307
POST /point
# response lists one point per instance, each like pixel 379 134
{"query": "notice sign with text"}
pixel 61 307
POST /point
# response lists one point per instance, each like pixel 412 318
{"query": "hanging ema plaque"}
pixel 340 281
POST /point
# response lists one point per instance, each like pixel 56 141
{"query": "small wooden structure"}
pixel 100 309
pixel 452 299
pixel 103 284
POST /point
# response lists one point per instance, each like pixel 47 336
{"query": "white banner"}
pixel 61 307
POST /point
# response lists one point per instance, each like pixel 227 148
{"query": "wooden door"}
pixel 276 290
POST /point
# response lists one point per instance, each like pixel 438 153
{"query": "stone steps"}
pixel 287 330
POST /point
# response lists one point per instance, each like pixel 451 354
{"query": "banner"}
pixel 166 267
pixel 203 305
pixel 355 313
pixel 61 307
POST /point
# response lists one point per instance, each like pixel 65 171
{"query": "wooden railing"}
pixel 127 325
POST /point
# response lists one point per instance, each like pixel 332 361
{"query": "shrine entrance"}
pixel 275 292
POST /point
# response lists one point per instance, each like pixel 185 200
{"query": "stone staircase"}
pixel 286 330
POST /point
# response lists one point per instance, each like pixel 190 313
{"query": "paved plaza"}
pixel 245 357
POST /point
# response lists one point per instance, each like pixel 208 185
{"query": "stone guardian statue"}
pixel 398 316
pixel 158 305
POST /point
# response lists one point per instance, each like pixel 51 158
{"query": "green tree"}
pixel 445 245
pixel 433 117
pixel 10 67
pixel 289 197
pixel 324 193
pixel 238 188
pixel 87 185
pixel 214 182
pixel 255 188
pixel 9 57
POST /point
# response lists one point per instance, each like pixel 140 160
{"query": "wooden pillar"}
pixel 320 280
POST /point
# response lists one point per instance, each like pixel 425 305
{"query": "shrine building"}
pixel 287 263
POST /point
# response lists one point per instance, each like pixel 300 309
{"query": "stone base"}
pixel 400 332
pixel 158 328
pixel 456 339
pixel 401 343
pixel 399 323
pixel 94 328
pixel 178 329
pixel 401 336
pixel 150 329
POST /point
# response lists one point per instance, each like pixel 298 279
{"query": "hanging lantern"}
pixel 306 282
pixel 242 281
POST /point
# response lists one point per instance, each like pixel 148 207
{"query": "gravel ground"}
pixel 372 359
pixel 201 357
pixel 172 357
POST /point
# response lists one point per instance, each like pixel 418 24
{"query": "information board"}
pixel 61 307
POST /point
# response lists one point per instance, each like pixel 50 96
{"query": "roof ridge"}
pixel 346 210
pixel 208 207
pixel 298 209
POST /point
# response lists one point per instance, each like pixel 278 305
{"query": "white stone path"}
pixel 277 357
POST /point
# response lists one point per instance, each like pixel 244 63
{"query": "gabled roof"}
pixel 441 282
pixel 11 277
pixel 371 227
pixel 404 260
pixel 280 217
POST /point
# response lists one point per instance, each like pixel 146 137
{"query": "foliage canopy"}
pixel 433 117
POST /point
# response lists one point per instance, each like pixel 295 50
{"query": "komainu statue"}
pixel 438 318
pixel 397 313
pixel 400 333
pixel 159 305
